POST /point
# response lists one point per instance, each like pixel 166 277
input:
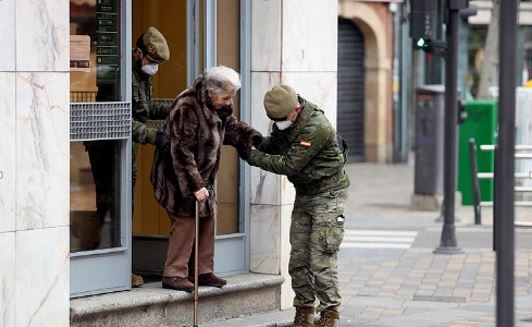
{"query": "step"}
pixel 152 305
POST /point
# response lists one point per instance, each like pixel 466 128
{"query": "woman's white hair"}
pixel 221 79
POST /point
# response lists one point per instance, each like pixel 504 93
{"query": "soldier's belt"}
pixel 321 185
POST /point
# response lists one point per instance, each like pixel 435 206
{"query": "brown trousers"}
pixel 180 254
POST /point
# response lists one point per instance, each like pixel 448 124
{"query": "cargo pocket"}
pixel 332 237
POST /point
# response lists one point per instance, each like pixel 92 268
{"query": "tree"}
pixel 489 75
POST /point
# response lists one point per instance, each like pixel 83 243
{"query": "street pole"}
pixel 504 213
pixel 448 243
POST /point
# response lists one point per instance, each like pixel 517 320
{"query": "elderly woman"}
pixel 200 122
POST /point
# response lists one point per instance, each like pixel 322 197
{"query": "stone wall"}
pixel 34 159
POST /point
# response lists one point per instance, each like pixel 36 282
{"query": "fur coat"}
pixel 197 133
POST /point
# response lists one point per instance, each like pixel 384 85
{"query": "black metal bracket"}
pixel 457 4
pixel 472 10
pixel 439 47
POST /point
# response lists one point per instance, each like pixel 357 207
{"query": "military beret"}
pixel 280 101
pixel 154 45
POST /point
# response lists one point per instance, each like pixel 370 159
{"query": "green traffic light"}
pixel 421 43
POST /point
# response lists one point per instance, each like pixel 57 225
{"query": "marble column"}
pixel 34 160
pixel 293 42
pixel 7 165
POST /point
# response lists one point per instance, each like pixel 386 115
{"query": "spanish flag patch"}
pixel 305 144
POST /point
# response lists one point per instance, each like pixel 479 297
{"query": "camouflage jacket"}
pixel 144 109
pixel 307 153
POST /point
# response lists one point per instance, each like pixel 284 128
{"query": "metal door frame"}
pixel 231 250
pixel 108 270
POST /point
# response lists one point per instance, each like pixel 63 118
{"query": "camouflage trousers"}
pixel 316 233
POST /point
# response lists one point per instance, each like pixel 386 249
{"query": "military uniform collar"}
pixel 307 110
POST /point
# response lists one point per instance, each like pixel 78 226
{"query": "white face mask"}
pixel 282 125
pixel 150 69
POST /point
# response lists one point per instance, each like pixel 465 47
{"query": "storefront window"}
pixel 95 165
pixel 94 50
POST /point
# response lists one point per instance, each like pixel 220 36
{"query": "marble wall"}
pixel 7 279
pixel 34 159
pixel 42 35
pixel 7 152
pixel 42 157
pixel 293 42
pixel 7 23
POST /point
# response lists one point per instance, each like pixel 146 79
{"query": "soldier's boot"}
pixel 136 280
pixel 304 317
pixel 329 318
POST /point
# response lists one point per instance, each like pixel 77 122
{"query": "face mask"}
pixel 282 125
pixel 150 69
pixel 225 111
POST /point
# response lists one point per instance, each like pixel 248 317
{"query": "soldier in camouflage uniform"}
pixel 151 51
pixel 303 146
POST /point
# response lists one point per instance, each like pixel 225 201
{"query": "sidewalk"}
pixel 389 275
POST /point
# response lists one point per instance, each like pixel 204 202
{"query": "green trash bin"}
pixel 480 124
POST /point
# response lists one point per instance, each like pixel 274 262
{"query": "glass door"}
pixel 200 34
pixel 100 133
pixel 231 232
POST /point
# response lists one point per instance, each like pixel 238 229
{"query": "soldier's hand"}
pixel 256 139
pixel 243 151
pixel 202 194
pixel 162 141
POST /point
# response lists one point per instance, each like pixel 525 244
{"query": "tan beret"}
pixel 155 45
pixel 280 101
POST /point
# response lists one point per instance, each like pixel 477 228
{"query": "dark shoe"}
pixel 329 318
pixel 178 284
pixel 211 279
pixel 304 317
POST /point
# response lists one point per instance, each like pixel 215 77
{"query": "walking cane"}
pixel 196 246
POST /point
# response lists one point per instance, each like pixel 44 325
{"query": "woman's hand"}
pixel 202 194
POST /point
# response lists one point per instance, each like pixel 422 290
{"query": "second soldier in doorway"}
pixel 304 147
pixel 151 50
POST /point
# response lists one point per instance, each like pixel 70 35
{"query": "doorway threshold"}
pixel 151 305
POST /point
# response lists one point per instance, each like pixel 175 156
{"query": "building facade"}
pixel 65 86
pixel 365 77
pixel 34 160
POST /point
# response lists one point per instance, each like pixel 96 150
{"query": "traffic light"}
pixel 423 19
pixel 423 44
